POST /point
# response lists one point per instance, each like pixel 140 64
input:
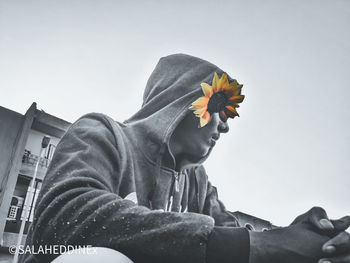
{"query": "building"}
pixel 252 222
pixel 20 141
pixel 20 144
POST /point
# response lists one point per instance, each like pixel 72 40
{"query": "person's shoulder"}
pixel 95 116
pixel 95 120
pixel 96 123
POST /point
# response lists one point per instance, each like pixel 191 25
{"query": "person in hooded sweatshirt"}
pixel 139 186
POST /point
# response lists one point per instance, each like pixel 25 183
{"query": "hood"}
pixel 172 87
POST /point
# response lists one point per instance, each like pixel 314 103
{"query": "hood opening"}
pixel 172 87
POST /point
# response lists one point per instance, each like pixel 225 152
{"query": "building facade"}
pixel 20 144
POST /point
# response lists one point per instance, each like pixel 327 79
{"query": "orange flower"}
pixel 221 96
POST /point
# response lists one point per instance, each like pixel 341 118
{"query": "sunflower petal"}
pixel 215 82
pixel 223 81
pixel 200 112
pixel 236 99
pixel 200 102
pixel 235 105
pixel 205 119
pixel 223 116
pixel 207 89
pixel 234 88
pixel 239 87
pixel 231 111
pixel 229 91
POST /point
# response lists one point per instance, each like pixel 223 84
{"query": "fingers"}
pixel 341 224
pixel 319 219
pixel 340 259
pixel 339 244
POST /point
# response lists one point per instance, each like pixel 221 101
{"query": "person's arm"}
pixel 300 242
pixel 212 206
pixel 228 241
pixel 80 205
pixel 296 243
pixel 216 209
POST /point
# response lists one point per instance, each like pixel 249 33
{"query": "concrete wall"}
pixel 10 124
pixel 16 144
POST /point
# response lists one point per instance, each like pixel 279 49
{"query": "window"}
pixel 49 151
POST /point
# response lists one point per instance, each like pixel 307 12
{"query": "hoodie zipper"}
pixel 176 186
pixel 176 175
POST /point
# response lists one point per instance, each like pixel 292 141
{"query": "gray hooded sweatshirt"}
pixel 108 183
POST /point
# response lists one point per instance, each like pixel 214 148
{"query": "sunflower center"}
pixel 217 102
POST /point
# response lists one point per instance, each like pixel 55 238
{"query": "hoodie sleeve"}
pixel 216 209
pixel 79 204
pixel 228 241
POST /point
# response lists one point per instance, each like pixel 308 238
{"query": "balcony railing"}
pixel 31 159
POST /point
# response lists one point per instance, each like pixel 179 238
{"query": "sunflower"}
pixel 221 96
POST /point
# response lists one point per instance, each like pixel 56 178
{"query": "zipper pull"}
pixel 170 204
pixel 176 182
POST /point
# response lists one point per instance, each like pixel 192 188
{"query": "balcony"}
pixel 29 161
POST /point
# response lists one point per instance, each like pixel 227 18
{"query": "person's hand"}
pixel 337 249
pixel 295 243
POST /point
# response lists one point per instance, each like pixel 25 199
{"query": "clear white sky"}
pixel 290 148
